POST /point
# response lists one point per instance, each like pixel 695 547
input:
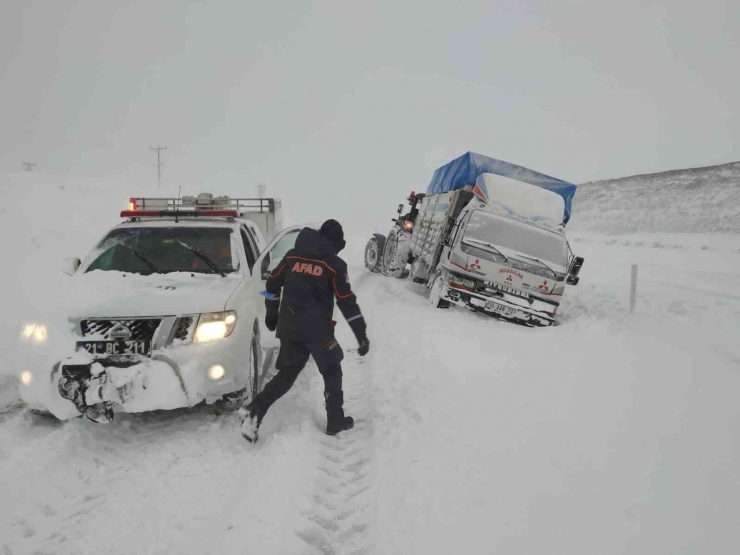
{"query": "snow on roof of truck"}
pixel 464 171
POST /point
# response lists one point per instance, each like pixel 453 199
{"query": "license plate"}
pixel 499 308
pixel 113 348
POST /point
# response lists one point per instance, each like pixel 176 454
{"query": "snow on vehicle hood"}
pixel 112 294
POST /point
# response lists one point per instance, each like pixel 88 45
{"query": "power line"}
pixel 159 164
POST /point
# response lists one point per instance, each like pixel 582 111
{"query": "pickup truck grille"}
pixel 141 329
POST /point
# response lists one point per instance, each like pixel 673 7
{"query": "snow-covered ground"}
pixel 611 433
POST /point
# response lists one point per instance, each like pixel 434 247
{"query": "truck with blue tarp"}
pixel 488 236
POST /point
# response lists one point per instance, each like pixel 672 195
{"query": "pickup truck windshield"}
pixel 519 237
pixel 161 250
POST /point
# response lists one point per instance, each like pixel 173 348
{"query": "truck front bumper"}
pixel 505 307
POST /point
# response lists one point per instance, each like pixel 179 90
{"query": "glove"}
pixel 364 347
pixel 271 322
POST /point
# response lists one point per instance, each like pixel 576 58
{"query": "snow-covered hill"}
pixel 698 200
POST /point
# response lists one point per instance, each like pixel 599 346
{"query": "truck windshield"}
pixel 518 237
pixel 161 250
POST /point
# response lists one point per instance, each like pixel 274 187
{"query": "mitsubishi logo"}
pixel 119 331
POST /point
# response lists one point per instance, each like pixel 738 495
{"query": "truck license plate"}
pixel 499 308
pixel 113 348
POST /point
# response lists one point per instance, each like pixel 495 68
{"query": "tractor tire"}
pixel 396 253
pixel 374 253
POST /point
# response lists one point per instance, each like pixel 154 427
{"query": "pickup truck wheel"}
pixel 374 253
pixel 254 367
pixel 396 253
pixel 234 401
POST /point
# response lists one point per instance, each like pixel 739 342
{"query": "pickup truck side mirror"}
pixel 265 268
pixel 70 265
pixel 572 280
pixel 575 266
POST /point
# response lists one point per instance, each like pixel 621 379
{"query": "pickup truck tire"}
pixel 374 253
pixel 255 363
pixel 234 401
pixel 396 253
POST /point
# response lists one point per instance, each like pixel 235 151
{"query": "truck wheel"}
pixel 396 253
pixel 435 293
pixel 416 270
pixel 374 253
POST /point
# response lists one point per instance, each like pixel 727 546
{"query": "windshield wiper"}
pixel 540 261
pixel 488 245
pixel 210 263
pixel 142 257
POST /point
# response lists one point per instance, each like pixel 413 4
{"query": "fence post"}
pixel 633 289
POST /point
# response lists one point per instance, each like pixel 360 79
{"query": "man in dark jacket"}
pixel 300 304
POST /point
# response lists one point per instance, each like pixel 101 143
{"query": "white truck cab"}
pixel 165 312
pixel 507 254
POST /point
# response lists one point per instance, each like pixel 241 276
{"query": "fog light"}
pixel 26 377
pixel 216 372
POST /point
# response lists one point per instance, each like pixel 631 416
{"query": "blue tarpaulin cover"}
pixel 465 170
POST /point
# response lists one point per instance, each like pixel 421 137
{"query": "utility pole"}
pixel 29 166
pixel 159 164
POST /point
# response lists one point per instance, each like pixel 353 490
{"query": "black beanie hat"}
pixel 332 230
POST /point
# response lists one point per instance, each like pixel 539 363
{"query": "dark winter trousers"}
pixel 291 360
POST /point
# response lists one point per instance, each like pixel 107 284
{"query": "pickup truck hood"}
pixel 114 294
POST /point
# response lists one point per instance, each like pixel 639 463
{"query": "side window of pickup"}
pixel 249 249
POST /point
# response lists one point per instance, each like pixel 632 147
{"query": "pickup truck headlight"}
pixel 36 333
pixel 215 325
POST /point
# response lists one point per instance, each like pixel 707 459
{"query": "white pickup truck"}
pixel 164 313
pixel 488 236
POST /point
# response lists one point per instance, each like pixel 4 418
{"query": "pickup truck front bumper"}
pixel 171 378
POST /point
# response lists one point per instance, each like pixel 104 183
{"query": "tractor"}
pixel 390 255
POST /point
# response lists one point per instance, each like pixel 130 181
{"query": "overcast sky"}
pixel 360 101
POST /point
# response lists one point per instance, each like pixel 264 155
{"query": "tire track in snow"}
pixel 340 499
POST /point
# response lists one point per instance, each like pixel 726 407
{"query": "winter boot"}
pixel 333 427
pixel 251 420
